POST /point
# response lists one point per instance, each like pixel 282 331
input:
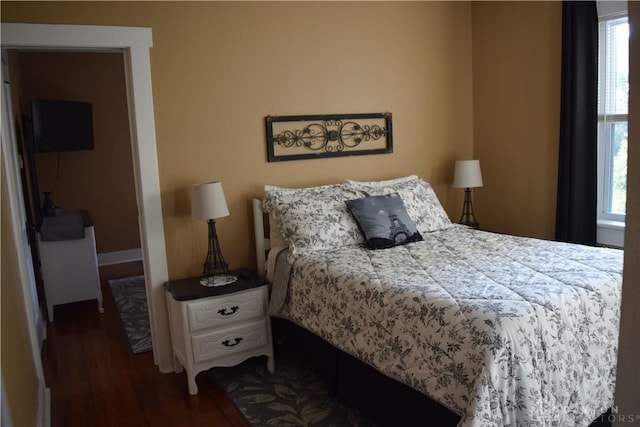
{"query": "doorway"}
pixel 134 43
pixel 90 167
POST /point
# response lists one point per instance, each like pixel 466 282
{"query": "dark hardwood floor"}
pixel 96 380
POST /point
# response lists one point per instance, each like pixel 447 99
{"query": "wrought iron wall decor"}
pixel 328 135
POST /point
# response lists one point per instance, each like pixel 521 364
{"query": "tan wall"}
pixel 99 180
pixel 516 114
pixel 219 68
pixel 19 376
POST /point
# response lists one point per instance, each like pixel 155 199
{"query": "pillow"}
pixel 418 196
pixel 315 218
pixel 384 221
pixel 272 192
pixel 384 183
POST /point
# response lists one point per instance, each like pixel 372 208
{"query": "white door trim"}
pixel 135 44
pixel 35 321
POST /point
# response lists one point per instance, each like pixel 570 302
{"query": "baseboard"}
pixel 119 257
pixel 44 406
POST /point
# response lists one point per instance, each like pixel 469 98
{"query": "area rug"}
pixel 292 396
pixel 131 300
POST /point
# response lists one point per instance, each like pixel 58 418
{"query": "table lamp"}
pixel 467 176
pixel 208 203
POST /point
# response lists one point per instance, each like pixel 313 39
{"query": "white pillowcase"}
pixel 383 183
pixel 272 192
pixel 314 218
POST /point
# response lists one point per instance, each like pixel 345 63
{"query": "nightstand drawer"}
pixel 227 309
pixel 225 342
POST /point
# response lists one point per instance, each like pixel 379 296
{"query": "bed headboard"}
pixel 263 243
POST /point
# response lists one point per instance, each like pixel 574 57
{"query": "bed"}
pixel 498 330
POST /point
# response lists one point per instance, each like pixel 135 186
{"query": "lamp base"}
pixel 468 217
pixel 215 272
pixel 218 280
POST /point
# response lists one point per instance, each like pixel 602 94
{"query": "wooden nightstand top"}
pixel 189 289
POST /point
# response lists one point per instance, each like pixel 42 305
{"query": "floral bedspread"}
pixel 503 330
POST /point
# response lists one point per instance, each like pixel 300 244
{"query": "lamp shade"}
pixel 207 201
pixel 467 174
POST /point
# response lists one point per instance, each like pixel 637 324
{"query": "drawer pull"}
pixel 232 310
pixel 236 340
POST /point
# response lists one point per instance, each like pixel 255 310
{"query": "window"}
pixel 613 108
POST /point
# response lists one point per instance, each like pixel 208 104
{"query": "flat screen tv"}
pixel 61 125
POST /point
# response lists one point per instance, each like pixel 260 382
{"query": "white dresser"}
pixel 219 326
pixel 70 269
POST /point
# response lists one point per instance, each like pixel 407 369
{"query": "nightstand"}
pixel 218 326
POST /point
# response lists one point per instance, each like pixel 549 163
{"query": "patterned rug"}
pixel 292 396
pixel 131 300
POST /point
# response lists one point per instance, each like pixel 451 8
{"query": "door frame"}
pixel 134 43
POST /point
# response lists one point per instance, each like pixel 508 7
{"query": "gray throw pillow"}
pixel 384 221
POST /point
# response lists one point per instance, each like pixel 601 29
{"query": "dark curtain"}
pixel 577 174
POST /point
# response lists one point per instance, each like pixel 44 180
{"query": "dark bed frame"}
pixel 381 399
